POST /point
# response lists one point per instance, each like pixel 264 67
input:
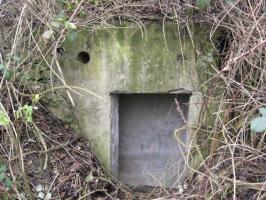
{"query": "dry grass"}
pixel 235 166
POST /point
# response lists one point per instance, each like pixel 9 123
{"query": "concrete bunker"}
pixel 132 71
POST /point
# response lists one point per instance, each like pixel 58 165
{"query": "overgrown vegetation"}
pixel 31 34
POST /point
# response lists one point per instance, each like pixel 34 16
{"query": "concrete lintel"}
pixel 174 91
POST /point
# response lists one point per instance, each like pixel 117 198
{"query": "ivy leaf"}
pixel 262 111
pixel 203 3
pixel 258 124
pixel 70 26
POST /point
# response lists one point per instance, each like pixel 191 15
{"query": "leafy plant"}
pixel 35 98
pixel 4 121
pixel 2 66
pixel 4 178
pixel 9 72
pixel 70 26
pixel 203 3
pixel 14 58
pixel 61 20
pixel 25 113
pixel 82 14
pixel 12 72
pixel 259 123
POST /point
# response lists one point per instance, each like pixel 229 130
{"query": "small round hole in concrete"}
pixel 84 57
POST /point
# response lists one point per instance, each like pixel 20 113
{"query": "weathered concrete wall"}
pixel 127 59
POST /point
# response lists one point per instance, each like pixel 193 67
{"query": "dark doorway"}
pixel 148 152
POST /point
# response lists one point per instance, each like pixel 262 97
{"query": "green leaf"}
pixel 203 3
pixel 61 2
pixel 4 121
pixel 262 111
pixel 2 168
pixel 9 74
pixel 25 76
pixel 18 113
pixel 28 110
pixel 16 58
pixel 96 2
pixel 61 16
pixel 8 182
pixel 56 24
pixel 2 66
pixel 70 6
pixel 89 178
pixel 258 124
pixel 36 98
pixel 25 112
pixel 82 14
pixel 70 26
pixel 230 2
pixel 2 177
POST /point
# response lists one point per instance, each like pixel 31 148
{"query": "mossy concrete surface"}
pixel 156 58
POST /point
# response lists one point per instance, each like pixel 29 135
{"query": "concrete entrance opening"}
pixel 145 150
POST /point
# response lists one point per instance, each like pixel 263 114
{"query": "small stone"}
pixel 39 188
pixel 41 195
